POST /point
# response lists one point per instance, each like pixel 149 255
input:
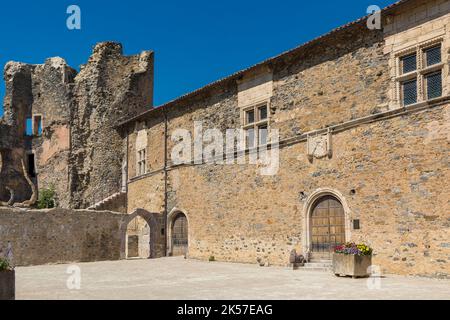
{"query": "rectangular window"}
pixel 420 75
pixel 433 56
pixel 255 124
pixel 37 125
pixel 262 134
pixel 142 162
pixel 262 113
pixel 409 63
pixel 250 138
pixel 434 85
pixel 409 92
pixel 250 116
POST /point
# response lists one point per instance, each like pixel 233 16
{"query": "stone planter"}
pixel 351 265
pixel 7 285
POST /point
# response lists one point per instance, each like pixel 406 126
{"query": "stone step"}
pixel 320 261
pixel 308 267
pixel 106 200
pixel 314 269
pixel 318 265
pixel 325 266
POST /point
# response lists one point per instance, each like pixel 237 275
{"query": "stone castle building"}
pixel 70 141
pixel 363 122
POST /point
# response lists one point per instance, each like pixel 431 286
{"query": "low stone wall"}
pixel 62 235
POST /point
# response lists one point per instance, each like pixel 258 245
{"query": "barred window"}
pixel 409 92
pixel 434 85
pixel 433 56
pixel 409 63
pixel 419 74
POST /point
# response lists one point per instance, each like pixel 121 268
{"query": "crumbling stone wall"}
pixel 109 88
pixel 62 235
pixel 52 84
pixel 79 152
pixel 17 102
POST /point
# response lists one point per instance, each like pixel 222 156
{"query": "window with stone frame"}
pixel 420 73
pixel 142 162
pixel 37 125
pixel 256 125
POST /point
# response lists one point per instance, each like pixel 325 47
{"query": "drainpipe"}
pixel 165 183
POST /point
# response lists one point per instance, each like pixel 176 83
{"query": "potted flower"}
pixel 7 278
pixel 352 259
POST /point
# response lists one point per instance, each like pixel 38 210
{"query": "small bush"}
pixel 211 258
pixel 4 264
pixel 47 198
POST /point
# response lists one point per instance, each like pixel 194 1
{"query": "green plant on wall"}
pixel 4 264
pixel 47 198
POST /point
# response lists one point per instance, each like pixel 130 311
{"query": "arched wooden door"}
pixel 179 235
pixel 327 227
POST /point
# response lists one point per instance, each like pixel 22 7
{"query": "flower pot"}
pixel 351 265
pixel 7 285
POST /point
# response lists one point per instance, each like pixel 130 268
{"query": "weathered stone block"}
pixel 351 265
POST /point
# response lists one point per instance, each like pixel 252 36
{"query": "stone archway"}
pixel 144 239
pixel 311 204
pixel 178 233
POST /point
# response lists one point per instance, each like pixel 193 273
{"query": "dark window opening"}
pixel 434 85
pixel 250 115
pixel 262 113
pixel 409 92
pixel 31 166
pixel 409 63
pixel 433 56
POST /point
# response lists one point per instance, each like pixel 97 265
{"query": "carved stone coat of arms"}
pixel 319 146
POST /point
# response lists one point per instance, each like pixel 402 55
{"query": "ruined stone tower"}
pixel 71 143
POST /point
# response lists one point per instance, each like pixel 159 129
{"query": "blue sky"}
pixel 195 42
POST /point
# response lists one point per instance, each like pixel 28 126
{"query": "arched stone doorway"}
pixel 139 233
pixel 327 227
pixel 178 233
pixel 138 238
pixel 326 223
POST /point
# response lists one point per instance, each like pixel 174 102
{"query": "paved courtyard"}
pixel 177 278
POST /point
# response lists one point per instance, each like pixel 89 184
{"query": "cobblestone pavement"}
pixel 177 278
